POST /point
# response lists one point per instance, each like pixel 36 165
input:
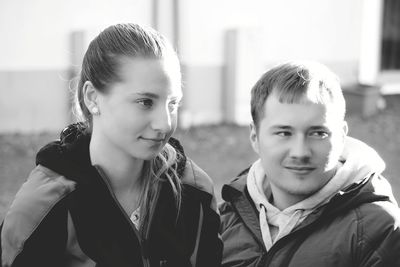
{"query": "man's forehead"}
pixel 306 112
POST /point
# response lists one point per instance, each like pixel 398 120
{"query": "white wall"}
pixel 34 100
pixel 35 38
pixel 325 30
pixel 34 34
pixel 35 54
pixel 328 31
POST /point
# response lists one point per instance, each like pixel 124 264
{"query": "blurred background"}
pixel 224 46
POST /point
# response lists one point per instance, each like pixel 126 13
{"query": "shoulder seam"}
pixel 362 239
pixel 192 170
pixel 197 178
pixel 21 247
pixel 360 231
pixel 42 171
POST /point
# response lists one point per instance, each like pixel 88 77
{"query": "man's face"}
pixel 299 145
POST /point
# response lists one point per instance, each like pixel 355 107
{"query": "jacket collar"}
pixel 236 193
pixel 366 190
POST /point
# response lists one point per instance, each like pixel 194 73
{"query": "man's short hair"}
pixel 293 82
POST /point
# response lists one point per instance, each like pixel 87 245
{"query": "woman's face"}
pixel 138 114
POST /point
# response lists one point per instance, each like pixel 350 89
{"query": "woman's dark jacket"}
pixel 360 226
pixel 66 215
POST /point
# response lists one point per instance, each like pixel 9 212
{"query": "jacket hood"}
pixel 69 156
pixel 359 160
pixel 361 164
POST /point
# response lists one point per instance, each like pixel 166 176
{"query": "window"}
pixel 390 53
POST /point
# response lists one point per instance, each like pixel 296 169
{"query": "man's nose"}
pixel 300 148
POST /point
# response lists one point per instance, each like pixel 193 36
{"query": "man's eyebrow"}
pixel 318 127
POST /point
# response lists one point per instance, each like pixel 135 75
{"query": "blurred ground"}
pixel 222 151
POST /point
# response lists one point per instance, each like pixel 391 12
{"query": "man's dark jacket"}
pixel 360 226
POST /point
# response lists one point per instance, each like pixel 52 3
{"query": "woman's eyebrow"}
pixel 146 94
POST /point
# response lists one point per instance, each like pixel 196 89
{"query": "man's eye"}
pixel 146 103
pixel 319 134
pixel 173 105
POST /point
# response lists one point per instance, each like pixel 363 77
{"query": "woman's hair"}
pixel 100 66
pixel 293 82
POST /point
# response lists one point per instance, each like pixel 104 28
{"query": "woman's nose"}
pixel 162 120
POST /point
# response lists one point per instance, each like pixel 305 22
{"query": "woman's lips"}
pixel 153 141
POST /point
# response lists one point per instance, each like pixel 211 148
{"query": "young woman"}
pixel 117 189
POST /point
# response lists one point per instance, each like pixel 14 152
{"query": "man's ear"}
pixel 344 132
pixel 90 95
pixel 345 128
pixel 254 137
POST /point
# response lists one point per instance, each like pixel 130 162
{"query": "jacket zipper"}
pixel 146 262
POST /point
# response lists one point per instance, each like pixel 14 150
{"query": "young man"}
pixel 315 197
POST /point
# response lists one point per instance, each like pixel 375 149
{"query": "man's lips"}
pixel 300 169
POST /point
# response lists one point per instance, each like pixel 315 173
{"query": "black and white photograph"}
pixel 177 133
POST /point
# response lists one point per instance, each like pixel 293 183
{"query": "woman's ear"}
pixel 90 95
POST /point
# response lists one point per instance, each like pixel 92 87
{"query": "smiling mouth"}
pixel 300 169
pixel 154 140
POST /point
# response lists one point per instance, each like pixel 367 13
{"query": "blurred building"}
pixel 224 46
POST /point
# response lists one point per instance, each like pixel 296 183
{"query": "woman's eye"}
pixel 146 103
pixel 283 133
